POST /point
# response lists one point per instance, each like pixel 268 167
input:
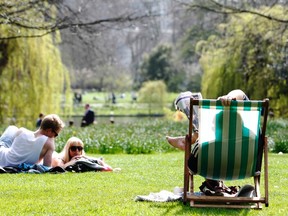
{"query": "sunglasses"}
pixel 74 148
pixel 56 134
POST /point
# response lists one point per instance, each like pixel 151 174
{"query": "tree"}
pixel 159 65
pixel 42 17
pixel 188 52
pixel 98 32
pixel 153 93
pixel 228 7
pixel 247 53
pixel 32 76
pixel 32 81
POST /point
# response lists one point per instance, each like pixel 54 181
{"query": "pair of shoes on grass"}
pixel 246 191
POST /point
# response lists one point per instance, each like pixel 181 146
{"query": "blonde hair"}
pixel 65 156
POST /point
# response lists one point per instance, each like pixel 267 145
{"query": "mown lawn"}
pixel 148 164
pixel 113 193
pixel 101 103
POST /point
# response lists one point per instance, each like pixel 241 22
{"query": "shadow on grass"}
pixel 178 208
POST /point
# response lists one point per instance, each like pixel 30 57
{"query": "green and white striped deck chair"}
pixel 231 144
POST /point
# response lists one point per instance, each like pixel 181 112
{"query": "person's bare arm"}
pixel 47 152
pixel 232 95
pixel 48 158
pixel 57 161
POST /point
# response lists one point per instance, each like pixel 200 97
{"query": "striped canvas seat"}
pixel 232 143
pixel 228 139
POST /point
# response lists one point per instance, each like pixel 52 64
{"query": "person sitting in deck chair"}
pixel 211 186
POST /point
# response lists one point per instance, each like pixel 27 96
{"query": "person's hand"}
pixel 194 137
pixel 226 100
pixel 77 157
pixel 73 160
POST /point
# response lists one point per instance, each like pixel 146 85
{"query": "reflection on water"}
pixel 108 119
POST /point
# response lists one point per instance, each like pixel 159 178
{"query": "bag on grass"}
pixel 217 188
pixel 85 165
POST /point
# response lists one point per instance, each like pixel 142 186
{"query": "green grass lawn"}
pixel 113 193
pixel 101 104
pixel 148 164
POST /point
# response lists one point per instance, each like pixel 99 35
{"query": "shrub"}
pixel 278 137
pixel 140 137
pixel 153 93
pixel 148 136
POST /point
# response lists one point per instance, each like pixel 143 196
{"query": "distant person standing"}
pixel 39 120
pixel 133 96
pixel 88 117
pixel 113 98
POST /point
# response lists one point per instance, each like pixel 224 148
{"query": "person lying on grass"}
pixel 72 152
pixel 20 145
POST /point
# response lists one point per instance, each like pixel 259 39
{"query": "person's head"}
pixel 41 115
pixel 71 123
pixel 236 94
pixel 87 106
pixel 73 147
pixel 51 125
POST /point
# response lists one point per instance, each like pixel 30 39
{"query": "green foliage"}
pixel 278 137
pixel 193 83
pixel 153 93
pixel 188 44
pixel 19 16
pixel 139 137
pixel 148 135
pixel 113 193
pixel 159 66
pixel 248 53
pixel 32 78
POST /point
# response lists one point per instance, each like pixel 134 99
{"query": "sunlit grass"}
pixel 102 104
pixel 148 164
pixel 113 193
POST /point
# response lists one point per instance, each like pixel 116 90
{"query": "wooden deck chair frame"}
pixel 256 202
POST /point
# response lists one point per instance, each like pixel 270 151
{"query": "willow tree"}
pixel 32 77
pixel 153 94
pixel 249 53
